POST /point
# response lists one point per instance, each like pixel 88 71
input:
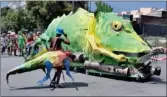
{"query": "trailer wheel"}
pixel 75 69
pixel 100 74
pixel 138 78
pixel 72 68
pixel 86 72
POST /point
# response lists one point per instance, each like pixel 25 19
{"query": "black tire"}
pixel 86 72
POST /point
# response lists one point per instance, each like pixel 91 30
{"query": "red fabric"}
pixel 61 56
pixel 15 44
pixel 30 39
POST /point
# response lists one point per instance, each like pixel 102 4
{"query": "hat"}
pixel 59 31
pixel 38 32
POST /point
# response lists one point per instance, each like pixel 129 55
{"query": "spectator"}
pixel 21 42
pixel 3 43
pixel 9 44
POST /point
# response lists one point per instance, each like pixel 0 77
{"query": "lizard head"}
pixel 116 34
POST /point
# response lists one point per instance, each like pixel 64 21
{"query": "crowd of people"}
pixel 13 43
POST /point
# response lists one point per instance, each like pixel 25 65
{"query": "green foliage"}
pixel 15 19
pixel 45 11
pixel 4 11
pixel 9 20
pixel 102 7
pixel 37 14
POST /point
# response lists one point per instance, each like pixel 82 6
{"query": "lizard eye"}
pixel 116 25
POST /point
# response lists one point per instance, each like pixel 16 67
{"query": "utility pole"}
pixel 166 5
pixel 0 17
pixel 89 5
pixel 73 6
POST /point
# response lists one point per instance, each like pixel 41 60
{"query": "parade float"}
pixel 104 44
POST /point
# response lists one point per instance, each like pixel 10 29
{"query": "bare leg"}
pixel 15 50
pixel 11 50
pixel 8 50
pixel 20 50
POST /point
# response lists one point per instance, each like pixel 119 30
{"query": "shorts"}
pixel 21 46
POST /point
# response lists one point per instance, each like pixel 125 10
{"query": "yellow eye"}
pixel 116 25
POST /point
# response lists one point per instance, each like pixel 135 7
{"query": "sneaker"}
pixel 54 85
pixel 40 83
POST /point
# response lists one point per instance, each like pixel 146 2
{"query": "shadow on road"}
pixel 152 80
pixel 156 80
pixel 75 84
pixel 68 85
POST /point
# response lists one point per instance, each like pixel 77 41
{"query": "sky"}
pixel 4 4
pixel 124 6
pixel 128 6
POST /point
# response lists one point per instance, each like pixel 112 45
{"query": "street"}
pixel 88 85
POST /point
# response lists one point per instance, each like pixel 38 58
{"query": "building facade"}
pixel 149 21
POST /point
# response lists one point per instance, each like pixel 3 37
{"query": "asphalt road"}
pixel 88 85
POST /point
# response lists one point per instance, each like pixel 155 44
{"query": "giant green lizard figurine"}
pixel 108 38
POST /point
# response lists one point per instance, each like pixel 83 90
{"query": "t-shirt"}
pixel 21 40
pixel 2 41
pixel 9 42
pixel 14 42
pixel 30 39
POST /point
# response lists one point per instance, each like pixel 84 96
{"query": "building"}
pixel 149 21
pixel 124 12
pixel 135 14
pixel 142 11
pixel 154 24
pixel 145 11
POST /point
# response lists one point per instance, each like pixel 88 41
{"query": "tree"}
pixel 77 4
pixel 9 21
pixel 25 20
pixel 38 14
pixel 102 7
pixel 16 19
pixel 2 24
pixel 4 11
pixel 45 11
pixel 4 19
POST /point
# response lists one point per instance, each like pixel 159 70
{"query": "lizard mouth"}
pixel 145 56
pixel 131 54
